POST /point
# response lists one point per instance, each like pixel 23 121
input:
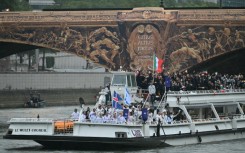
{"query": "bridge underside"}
pixel 8 49
pixel 229 63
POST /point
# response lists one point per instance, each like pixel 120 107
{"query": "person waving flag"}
pixel 157 64
pixel 115 101
pixel 127 96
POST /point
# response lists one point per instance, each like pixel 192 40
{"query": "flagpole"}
pixel 154 57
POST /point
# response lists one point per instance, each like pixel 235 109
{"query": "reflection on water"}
pixel 24 146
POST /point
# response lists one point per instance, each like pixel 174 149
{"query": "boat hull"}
pixel 92 143
pixel 97 143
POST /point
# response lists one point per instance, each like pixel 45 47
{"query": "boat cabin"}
pixel 121 81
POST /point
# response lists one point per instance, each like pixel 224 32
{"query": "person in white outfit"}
pixel 159 118
pixel 75 115
pixel 82 117
pixel 106 118
pixel 92 115
pixel 121 119
pixel 99 118
pixel 152 92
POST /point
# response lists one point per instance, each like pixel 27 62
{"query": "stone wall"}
pixel 55 88
pixel 50 80
pixel 17 98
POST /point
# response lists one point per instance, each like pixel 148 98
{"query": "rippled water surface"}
pixel 22 146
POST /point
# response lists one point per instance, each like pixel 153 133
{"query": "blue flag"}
pixel 115 101
pixel 125 113
pixel 127 96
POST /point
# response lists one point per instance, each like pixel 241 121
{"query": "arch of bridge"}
pixel 182 38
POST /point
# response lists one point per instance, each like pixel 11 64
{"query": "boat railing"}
pixel 205 120
pixel 207 91
pixel 139 122
pixel 238 116
pixel 180 122
pixel 110 121
pixel 31 120
pixel 224 118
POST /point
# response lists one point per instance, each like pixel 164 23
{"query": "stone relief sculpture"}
pixel 103 45
pixel 239 41
pixel 189 47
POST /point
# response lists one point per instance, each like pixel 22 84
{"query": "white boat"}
pixel 208 116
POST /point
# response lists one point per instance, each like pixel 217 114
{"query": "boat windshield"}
pixel 129 80
pixel 122 80
pixel 133 81
pixel 119 80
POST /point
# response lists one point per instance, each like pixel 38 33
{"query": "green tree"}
pixel 15 5
pixel 169 3
pixel 116 4
pixel 91 4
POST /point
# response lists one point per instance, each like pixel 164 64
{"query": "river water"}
pixel 22 146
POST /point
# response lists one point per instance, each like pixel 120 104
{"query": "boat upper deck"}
pixel 175 98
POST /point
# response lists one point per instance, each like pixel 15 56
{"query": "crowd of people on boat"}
pixel 127 115
pixel 158 84
pixel 188 81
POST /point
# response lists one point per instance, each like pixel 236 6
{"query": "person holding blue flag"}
pixel 127 96
pixel 126 112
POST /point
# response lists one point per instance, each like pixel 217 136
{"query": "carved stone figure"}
pixel 102 45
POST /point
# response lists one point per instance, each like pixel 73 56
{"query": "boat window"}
pixel 228 110
pixel 243 107
pixel 119 80
pixel 129 80
pixel 121 134
pixel 133 80
pixel 206 113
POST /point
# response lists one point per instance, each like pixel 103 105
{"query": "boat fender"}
pixel 216 127
pixel 178 99
pixel 179 132
pixel 199 138
pixel 158 130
